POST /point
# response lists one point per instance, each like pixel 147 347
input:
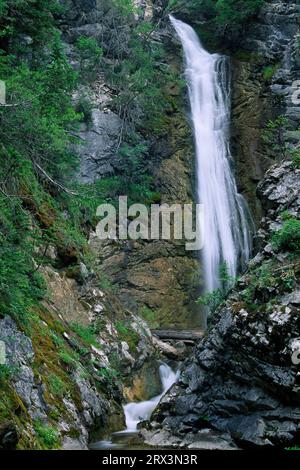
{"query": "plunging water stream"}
pixel 227 234
pixel 227 220
pixel 136 412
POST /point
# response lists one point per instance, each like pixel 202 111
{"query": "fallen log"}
pixel 178 335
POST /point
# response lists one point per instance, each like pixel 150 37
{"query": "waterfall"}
pixel 227 233
pixel 137 412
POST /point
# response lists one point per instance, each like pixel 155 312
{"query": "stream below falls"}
pixel 136 413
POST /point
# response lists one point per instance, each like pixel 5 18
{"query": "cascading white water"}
pixel 227 233
pixel 137 412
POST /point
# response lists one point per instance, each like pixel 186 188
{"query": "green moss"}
pixel 127 334
pixel 269 71
pixel 149 315
pixel 56 385
pixel 86 333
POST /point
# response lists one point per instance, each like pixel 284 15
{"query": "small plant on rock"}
pixel 288 237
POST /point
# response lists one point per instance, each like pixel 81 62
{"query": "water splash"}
pixel 227 232
pixel 137 412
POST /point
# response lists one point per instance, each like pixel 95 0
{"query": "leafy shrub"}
pixel 288 237
pixel 90 56
pixel 84 108
pixel 294 154
pixel 273 136
pixel 125 7
pixel 147 314
pixel 267 281
pixel 20 283
pixel 213 300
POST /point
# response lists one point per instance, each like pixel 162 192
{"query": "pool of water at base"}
pixel 124 440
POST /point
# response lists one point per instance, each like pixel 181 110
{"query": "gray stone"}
pixel 98 145
pixel 19 357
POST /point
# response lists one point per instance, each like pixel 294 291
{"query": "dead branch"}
pixel 52 181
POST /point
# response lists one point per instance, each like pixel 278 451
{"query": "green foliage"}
pixel 288 237
pixel 265 281
pixel 109 375
pixel 269 71
pixel 294 154
pixel 46 435
pixel 30 18
pixel 68 358
pixel 225 19
pixel 233 15
pixel 90 57
pixel 56 386
pixel 132 159
pixel 125 7
pixel 34 130
pixel 273 136
pixel 89 47
pixel 84 108
pixel 105 283
pixel 127 334
pixel 20 283
pixel 140 78
pixel 36 164
pixel 213 300
pixel 147 314
pixel 6 373
pixel 86 333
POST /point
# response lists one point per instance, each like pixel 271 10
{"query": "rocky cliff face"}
pixel 241 388
pixel 159 276
pixel 87 346
pixel 264 69
pixel 67 368
pixel 242 380
pixel 86 349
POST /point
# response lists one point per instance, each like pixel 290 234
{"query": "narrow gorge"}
pixel 124 342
